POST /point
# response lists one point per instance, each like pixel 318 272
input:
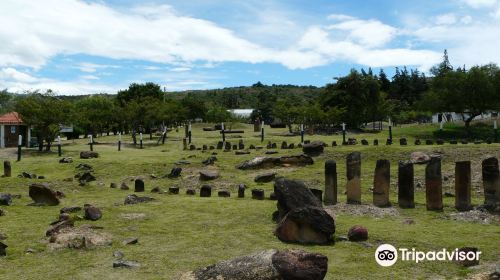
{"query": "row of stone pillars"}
pixel 406 190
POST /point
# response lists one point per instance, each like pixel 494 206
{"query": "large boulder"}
pixel 306 225
pixel 266 265
pixel 92 213
pixel 88 154
pixel 207 175
pixel 43 195
pixel 175 173
pixel 265 177
pixel 5 199
pixel 270 162
pixel 292 194
pixel 134 199
pixel 85 177
pixel 314 148
pixel 3 252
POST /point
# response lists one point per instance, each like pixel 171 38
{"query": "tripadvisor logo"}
pixel 387 255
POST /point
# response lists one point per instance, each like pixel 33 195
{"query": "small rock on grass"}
pixel 125 264
pixel 131 240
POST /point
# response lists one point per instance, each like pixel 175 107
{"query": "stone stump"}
pixel 241 190
pixel 491 183
pixel 227 146
pixel 139 185
pixel 406 189
pixel 184 144
pixel 206 191
pixel 258 194
pixel 354 178
pixel 318 194
pixel 375 142
pixel 7 168
pixel 330 182
pixel 220 145
pixel 463 186
pixel 433 185
pixel 381 183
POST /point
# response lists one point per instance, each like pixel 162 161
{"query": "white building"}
pixel 241 113
pixel 453 117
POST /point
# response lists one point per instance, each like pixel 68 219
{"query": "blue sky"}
pixel 83 47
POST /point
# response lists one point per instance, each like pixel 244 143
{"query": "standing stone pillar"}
pixel 462 186
pixel 139 185
pixel 434 184
pixel 7 169
pixel 184 144
pixel 381 183
pixel 241 190
pixel 330 182
pixel 406 189
pixel 354 178
pixel 491 183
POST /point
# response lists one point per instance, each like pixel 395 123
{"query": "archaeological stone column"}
pixel 7 169
pixel 354 178
pixel 330 182
pixel 463 186
pixel 434 184
pixel 406 189
pixel 381 183
pixel 491 183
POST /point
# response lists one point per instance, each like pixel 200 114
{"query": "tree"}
pixel 138 92
pixel 218 114
pixel 287 112
pixel 96 114
pixel 466 92
pixel 45 112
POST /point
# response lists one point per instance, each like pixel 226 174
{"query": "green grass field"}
pixel 178 233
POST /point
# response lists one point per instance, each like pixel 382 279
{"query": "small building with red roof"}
pixel 11 126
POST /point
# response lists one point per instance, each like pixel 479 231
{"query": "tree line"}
pixel 358 98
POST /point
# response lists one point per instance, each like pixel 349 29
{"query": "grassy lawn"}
pixel 178 233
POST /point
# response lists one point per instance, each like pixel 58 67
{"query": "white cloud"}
pixel 180 69
pixel 11 74
pixel 477 4
pixel 92 67
pixel 89 77
pixel 446 19
pixel 372 33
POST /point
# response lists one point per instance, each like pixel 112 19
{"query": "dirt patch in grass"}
pixel 475 216
pixel 363 210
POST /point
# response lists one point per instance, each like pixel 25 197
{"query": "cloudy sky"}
pixel 92 46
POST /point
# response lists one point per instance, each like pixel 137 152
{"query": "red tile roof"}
pixel 11 118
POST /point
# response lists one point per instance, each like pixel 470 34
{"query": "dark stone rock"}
pixel 403 142
pixel 7 168
pixel 156 190
pixel 429 142
pixel 85 177
pixel 43 195
pixel 113 185
pixel 175 173
pixel 204 147
pixel 27 175
pixel 270 162
pixel 274 146
pixel 206 191
pixel 364 142
pixel 241 152
pixel 251 147
pixel 134 199
pixel 210 161
pixel 266 265
pixel 70 209
pixel 220 145
pixel 235 147
pixel 388 142
pixel 271 152
pixel 306 225
pixel 139 185
pixel 375 142
pixel 125 264
pixel 57 226
pixel 92 213
pixel 265 178
pixel 258 194
pixel 192 147
pixel 5 199
pixel 314 148
pixel 241 190
pixel 293 194
pixel 173 190
pixel 2 213
pixel 227 146
pixel 88 154
pixel 284 145
pixel 66 160
pixel 84 167
pixel 357 233
pixel 190 191
pixel 453 142
pixel 3 251
pixel 440 141
pixel 418 142
pixel 223 193
pixel 130 241
pixel 291 146
pixel 207 175
pixel 334 143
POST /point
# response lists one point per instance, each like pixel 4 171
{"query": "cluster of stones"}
pixel 433 183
